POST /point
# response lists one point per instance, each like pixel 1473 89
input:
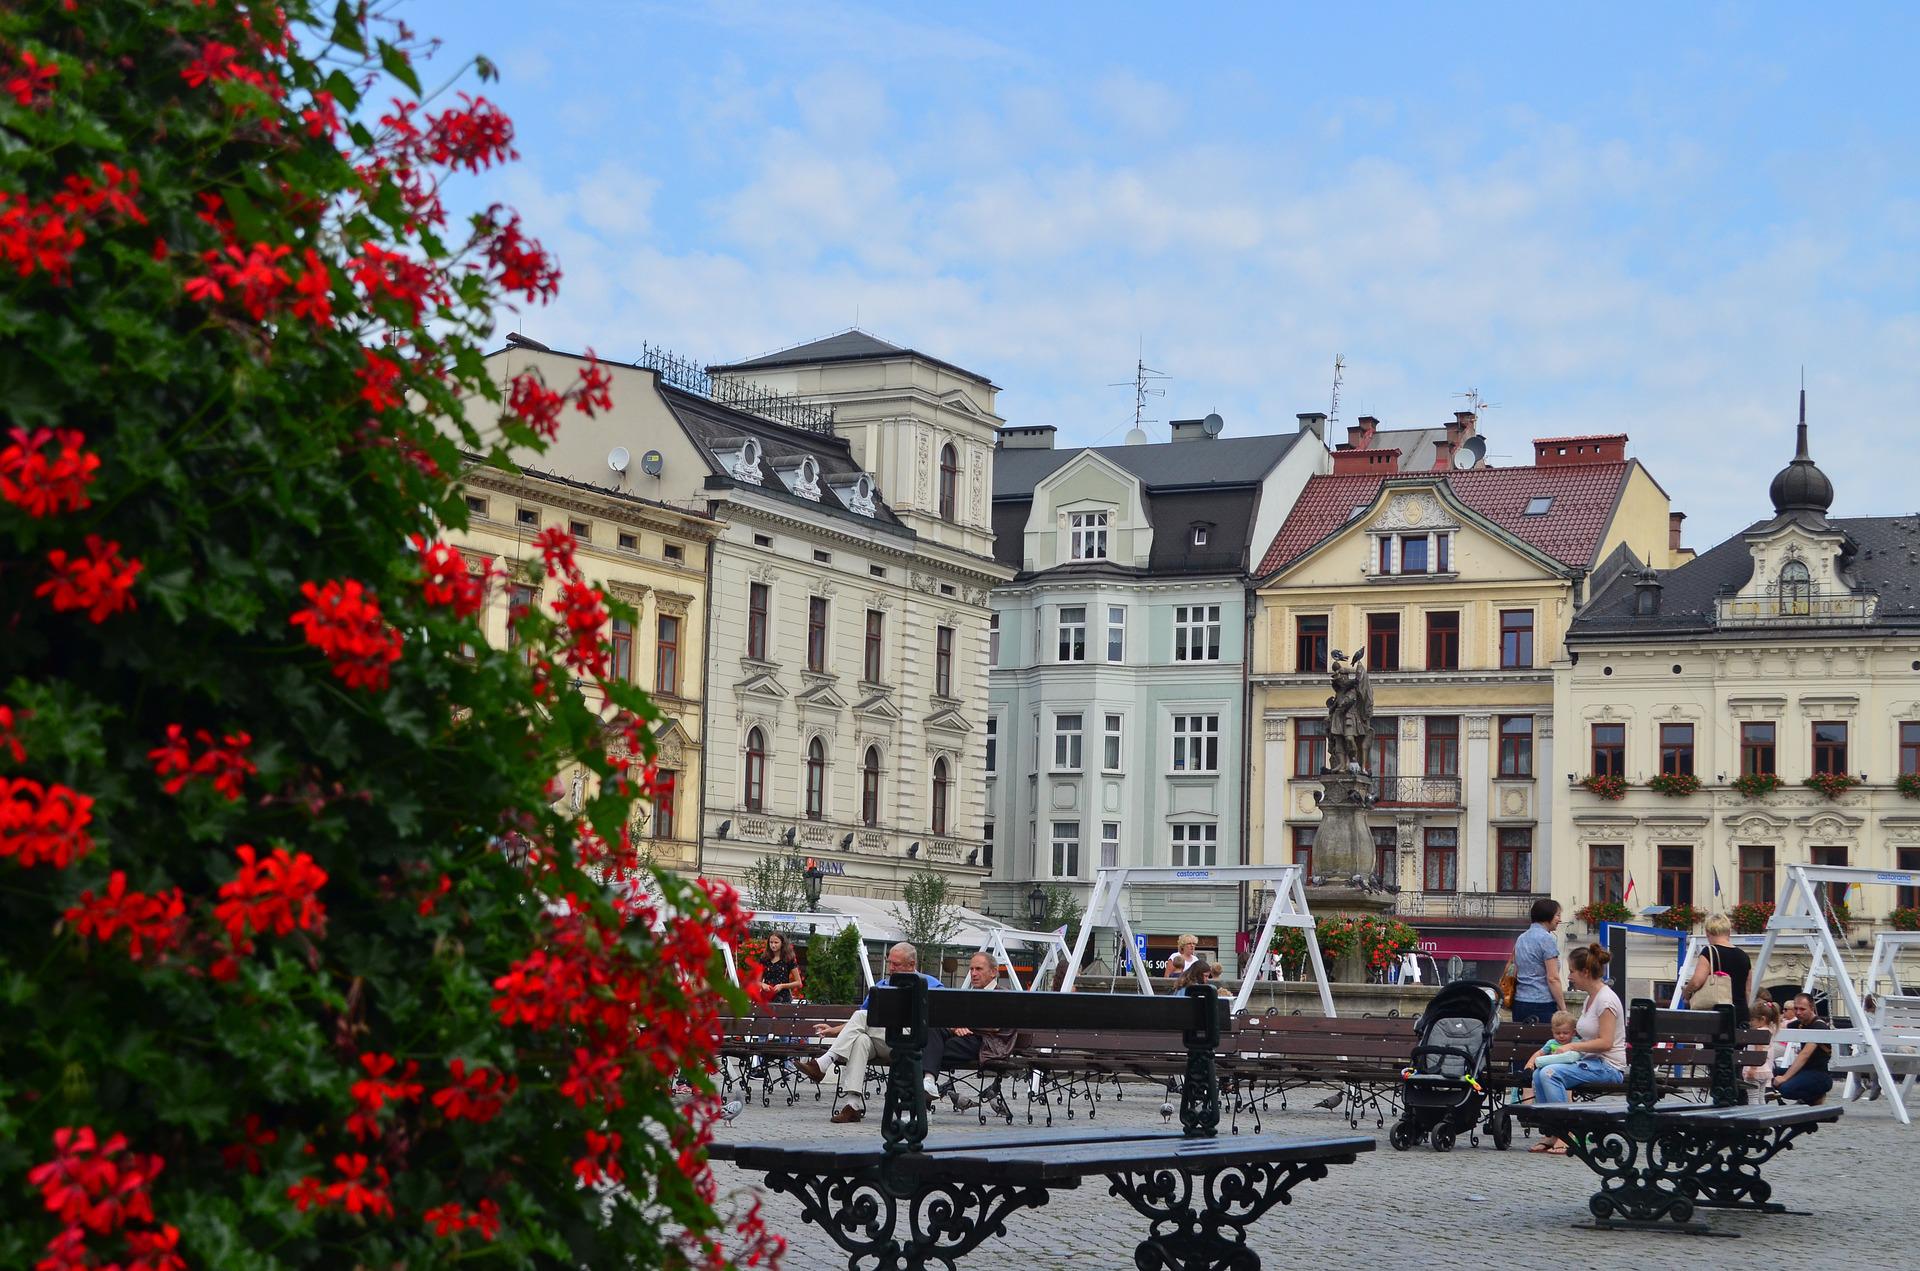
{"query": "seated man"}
pixel 1806 1079
pixel 856 1044
pixel 965 1047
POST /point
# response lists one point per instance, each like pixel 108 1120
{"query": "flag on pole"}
pixel 1628 898
pixel 1716 882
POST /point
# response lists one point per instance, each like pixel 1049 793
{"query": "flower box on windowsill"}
pixel 1908 784
pixel 1675 785
pixel 1757 785
pixel 1831 784
pixel 1606 786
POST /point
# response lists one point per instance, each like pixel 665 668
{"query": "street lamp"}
pixel 812 875
pixel 1037 905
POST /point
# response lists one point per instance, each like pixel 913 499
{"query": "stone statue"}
pixel 1349 713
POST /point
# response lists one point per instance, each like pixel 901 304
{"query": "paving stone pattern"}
pixel 1471 1208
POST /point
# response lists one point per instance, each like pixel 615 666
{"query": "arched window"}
pixel 949 482
pixel 756 784
pixel 939 796
pixel 816 779
pixel 870 787
pixel 1796 588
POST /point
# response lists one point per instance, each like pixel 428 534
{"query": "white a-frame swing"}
pixel 1107 908
pixel 1798 922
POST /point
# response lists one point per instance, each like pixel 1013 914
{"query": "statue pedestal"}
pixel 1343 856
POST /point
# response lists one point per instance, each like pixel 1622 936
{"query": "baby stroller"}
pixel 1440 1091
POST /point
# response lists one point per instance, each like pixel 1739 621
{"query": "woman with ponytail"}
pixel 1600 1039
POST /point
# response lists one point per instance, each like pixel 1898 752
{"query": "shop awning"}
pixel 1446 944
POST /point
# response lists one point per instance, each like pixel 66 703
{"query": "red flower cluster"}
pixel 534 404
pixel 9 740
pixel 43 483
pixel 352 1193
pixel 382 275
pixel 373 1092
pixel 474 137
pixel 557 548
pixel 43 823
pixel 215 62
pixel 32 84
pixel 518 264
pixel 343 621
pixel 602 1161
pixel 379 380
pixel 246 1153
pixel 225 761
pixel 585 614
pixel 153 923
pixel 448 581
pixel 270 897
pixel 477 1094
pixel 101 582
pixel 257 281
pixel 45 236
pixel 97 1189
pixel 448 1219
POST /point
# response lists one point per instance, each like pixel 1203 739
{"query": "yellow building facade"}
pixel 1458 586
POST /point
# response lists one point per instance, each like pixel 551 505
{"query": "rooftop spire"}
pixel 1801 486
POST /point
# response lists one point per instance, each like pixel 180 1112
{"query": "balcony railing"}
pixel 1417 792
pixel 1464 904
pixel 1796 609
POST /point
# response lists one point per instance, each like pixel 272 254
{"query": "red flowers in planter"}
pixel 101 582
pixel 43 824
pixel 344 622
pixel 44 482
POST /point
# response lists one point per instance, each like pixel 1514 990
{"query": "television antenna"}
pixel 1142 384
pixel 1333 410
pixel 1476 403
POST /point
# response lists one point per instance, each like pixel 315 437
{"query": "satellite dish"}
pixel 617 458
pixel 1472 452
pixel 1212 425
pixel 652 462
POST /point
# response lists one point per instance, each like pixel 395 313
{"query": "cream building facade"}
pixel 1459 584
pixel 1791 649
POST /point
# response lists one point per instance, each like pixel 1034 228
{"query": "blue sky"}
pixel 1643 219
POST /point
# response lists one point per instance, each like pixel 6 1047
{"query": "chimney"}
pixel 1443 453
pixel 1365 462
pixel 1189 430
pixel 1360 435
pixel 1561 452
pixel 1673 530
pixel 1465 424
pixel 1315 422
pixel 1027 437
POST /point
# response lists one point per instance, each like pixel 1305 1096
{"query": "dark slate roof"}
pixel 1886 561
pixel 851 345
pixel 709 424
pixel 1161 465
pixel 1584 497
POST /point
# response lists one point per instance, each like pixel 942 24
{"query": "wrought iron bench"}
pixel 1198 1192
pixel 1663 1159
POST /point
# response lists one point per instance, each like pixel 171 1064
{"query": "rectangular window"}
pixel 1442 553
pixel 1383 748
pixel 1907 858
pixel 1066 743
pixel 1443 745
pixel 1836 857
pixel 622 668
pixel 527 517
pixel 1516 745
pixel 870 660
pixel 666 655
pixel 1606 873
pixel 1609 750
pixel 1066 849
pixel 580 530
pixel 1443 641
pixel 1413 553
pixel 1109 845
pixel 476 505
pixel 1756 876
pixel 1830 746
pixel 1073 633
pixel 1386 554
pixel 1676 749
pixel 1909 747
pixel 986 849
pixel 1383 641
pixel 1196 845
pixel 629 542
pixel 1196 743
pixel 1116 633
pixel 763 540
pixel 1303 836
pixel 816 633
pixel 1386 853
pixel 1309 747
pixel 1310 643
pixel 993 744
pixel 993 640
pixel 1089 531
pixel 673 552
pixel 1516 859
pixel 943 661
pixel 1516 638
pixel 1196 633
pixel 1441 869
pixel 758 597
pixel 663 809
pixel 1110 744
pixel 1756 750
pixel 1676 876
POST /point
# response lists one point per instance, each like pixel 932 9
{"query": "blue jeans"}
pixel 1533 1012
pixel 1806 1085
pixel 1550 1084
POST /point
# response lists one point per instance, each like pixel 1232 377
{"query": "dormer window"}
pixel 1199 536
pixel 744 464
pixel 1796 588
pixel 1089 535
pixel 804 479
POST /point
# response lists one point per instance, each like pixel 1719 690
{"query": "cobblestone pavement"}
pixel 1474 1207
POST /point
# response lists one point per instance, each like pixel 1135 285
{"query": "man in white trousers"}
pixel 856 1044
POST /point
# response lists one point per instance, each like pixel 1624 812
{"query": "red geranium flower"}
pixel 344 622
pixel 43 484
pixel 100 582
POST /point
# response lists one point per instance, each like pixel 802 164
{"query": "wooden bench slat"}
pixel 950 1008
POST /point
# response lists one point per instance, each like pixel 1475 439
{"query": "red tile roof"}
pixel 1584 497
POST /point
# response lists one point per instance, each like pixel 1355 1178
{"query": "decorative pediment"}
pixel 741 459
pixel 803 478
pixel 671 744
pixel 949 719
pixel 957 399
pixel 818 694
pixel 1828 825
pixel 858 493
pixel 762 684
pixel 879 706
pixel 1756 824
pixel 672 602
pixel 1414 510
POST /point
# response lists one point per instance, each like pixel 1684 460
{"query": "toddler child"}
pixel 1555 1051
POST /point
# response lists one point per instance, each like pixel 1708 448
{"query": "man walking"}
pixel 856 1044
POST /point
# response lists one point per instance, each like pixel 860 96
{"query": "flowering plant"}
pixel 1682 917
pixel 1606 785
pixel 1908 784
pixel 1905 918
pixel 1379 941
pixel 1831 784
pixel 1600 911
pixel 1750 917
pixel 1384 940
pixel 1839 917
pixel 302 955
pixel 1674 785
pixel 1756 784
